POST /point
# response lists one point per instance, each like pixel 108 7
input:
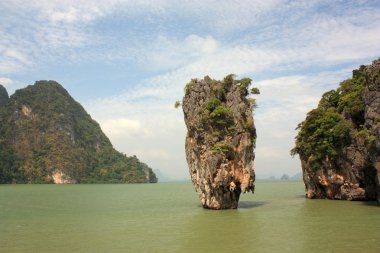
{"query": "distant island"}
pixel 339 141
pixel 48 137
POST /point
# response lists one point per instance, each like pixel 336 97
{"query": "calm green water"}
pixel 167 217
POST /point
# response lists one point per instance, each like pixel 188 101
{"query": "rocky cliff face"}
pixel 372 117
pixel 338 143
pixel 47 137
pixel 220 140
pixel 4 98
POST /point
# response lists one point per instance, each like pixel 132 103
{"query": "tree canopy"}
pixel 43 130
pixel 331 126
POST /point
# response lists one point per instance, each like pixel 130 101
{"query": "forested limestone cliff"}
pixel 339 142
pixel 47 137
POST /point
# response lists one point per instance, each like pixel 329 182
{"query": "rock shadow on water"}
pixel 245 205
pixel 251 204
pixel 371 203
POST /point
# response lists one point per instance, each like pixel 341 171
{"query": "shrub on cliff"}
pixel 321 135
pixel 216 117
pixel 338 118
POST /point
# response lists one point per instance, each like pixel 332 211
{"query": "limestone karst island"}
pixel 47 137
pixel 339 141
pixel 220 139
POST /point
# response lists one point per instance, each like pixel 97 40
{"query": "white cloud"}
pixel 30 39
pixel 68 11
pixel 225 16
pixel 168 53
pixel 263 38
pixel 123 127
pixel 16 55
pixel 5 81
pixel 204 45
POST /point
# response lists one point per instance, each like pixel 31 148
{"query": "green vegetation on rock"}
pixel 218 115
pixel 221 147
pixel 220 139
pixel 218 118
pixel 44 132
pixel 177 104
pixel 188 85
pixel 338 119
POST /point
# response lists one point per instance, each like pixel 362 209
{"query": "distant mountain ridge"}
pixel 47 137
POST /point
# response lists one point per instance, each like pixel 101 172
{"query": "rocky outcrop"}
pixel 220 140
pixel 61 178
pixel 4 98
pixel 372 117
pixel 339 142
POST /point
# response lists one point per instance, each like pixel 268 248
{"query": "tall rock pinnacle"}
pixel 220 139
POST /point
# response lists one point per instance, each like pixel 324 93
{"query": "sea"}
pixel 168 217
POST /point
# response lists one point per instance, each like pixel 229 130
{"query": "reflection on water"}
pixel 168 218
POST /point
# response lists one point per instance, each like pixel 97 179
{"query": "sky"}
pixel 127 62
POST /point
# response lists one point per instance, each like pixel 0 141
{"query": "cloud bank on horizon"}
pixel 128 61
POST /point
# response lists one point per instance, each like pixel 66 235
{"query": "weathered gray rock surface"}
pixel 220 140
